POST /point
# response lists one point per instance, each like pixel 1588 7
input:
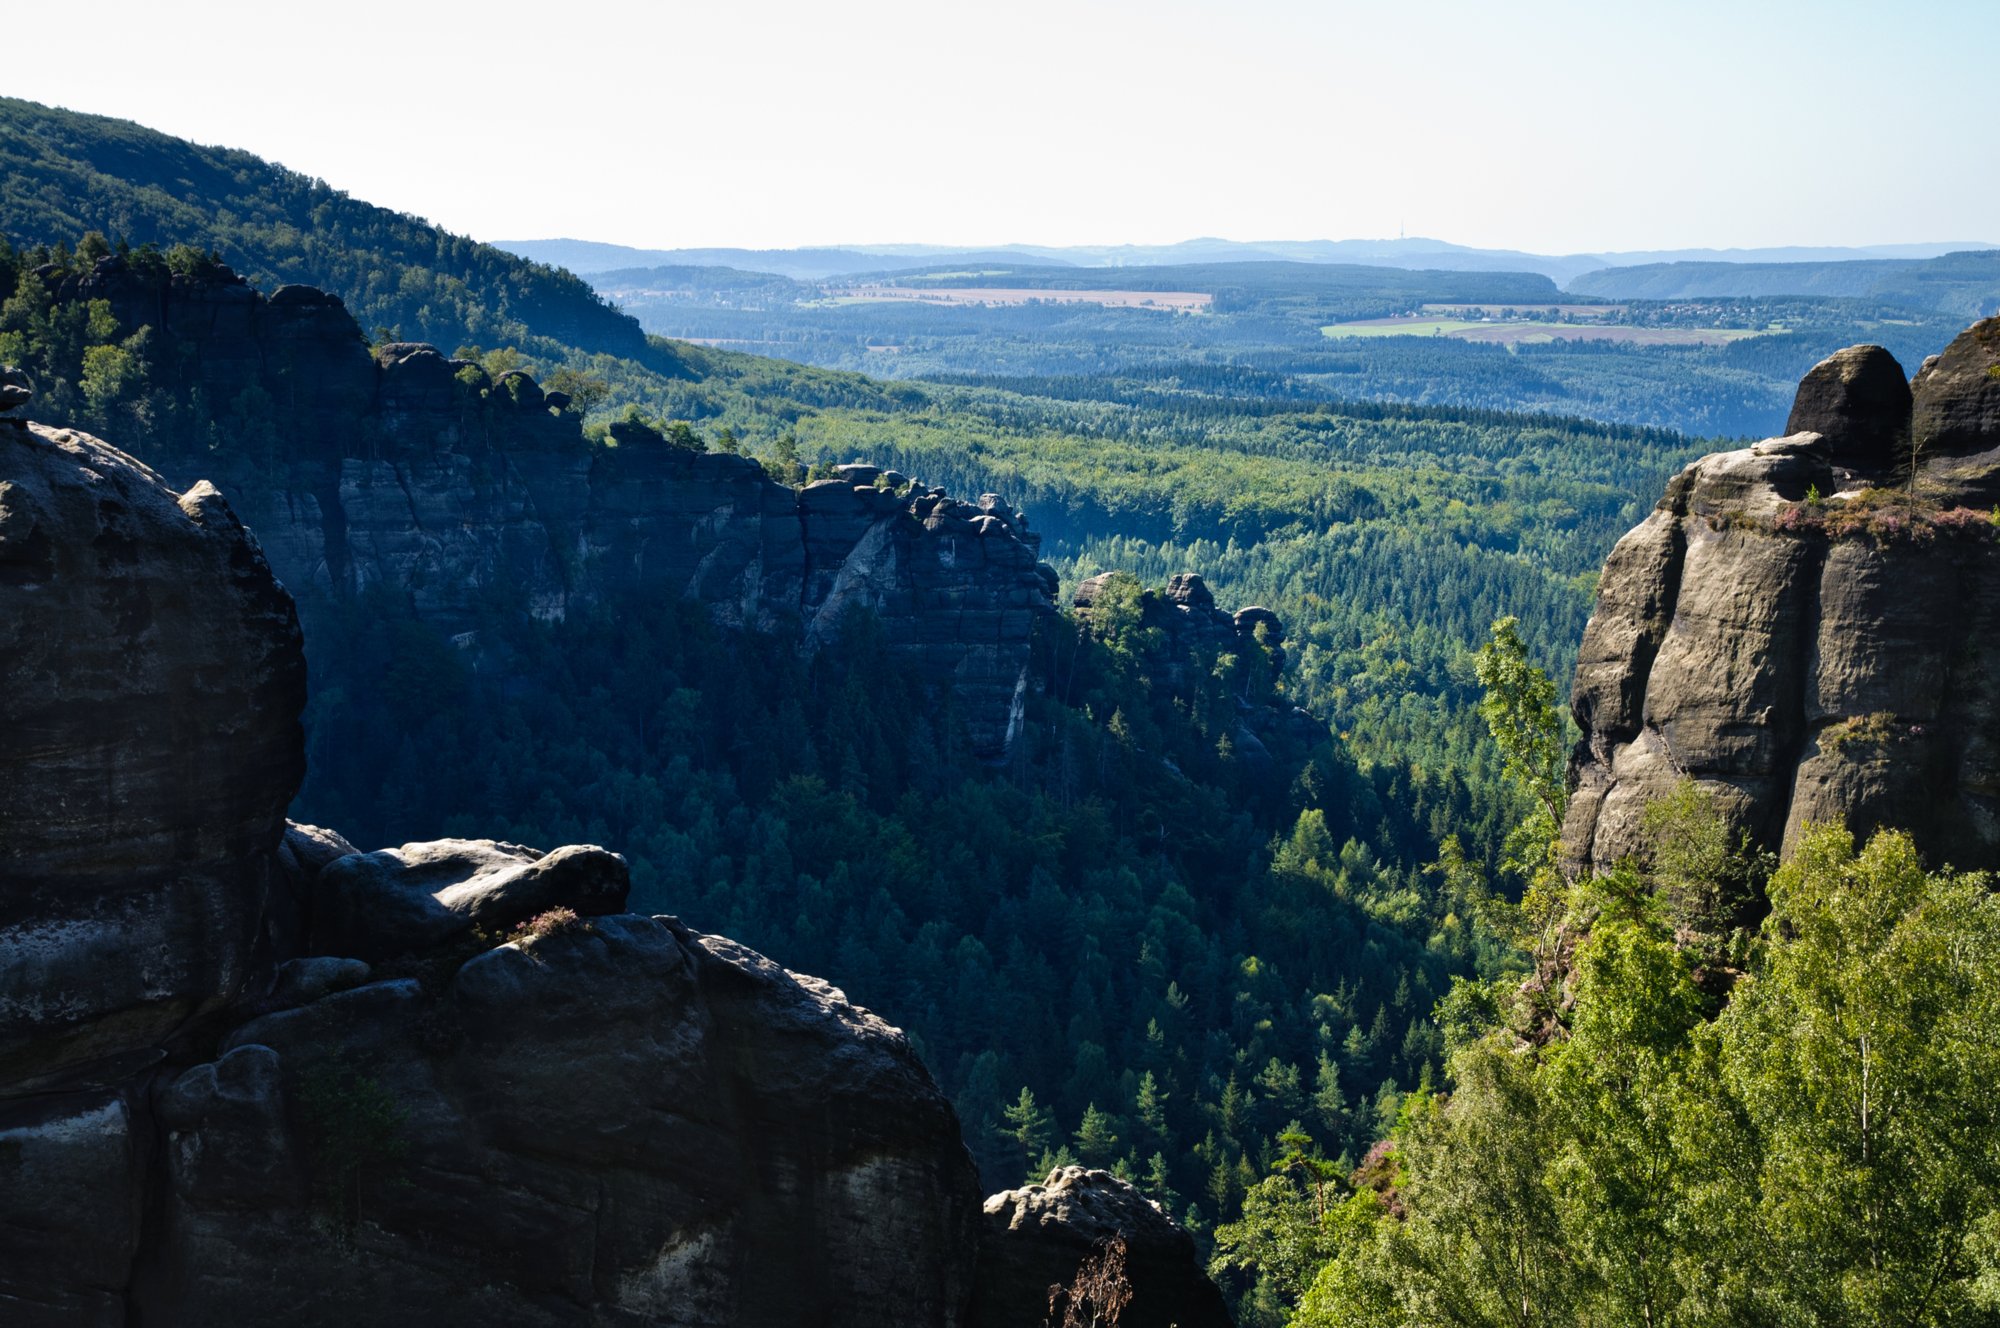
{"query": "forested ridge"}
pixel 63 174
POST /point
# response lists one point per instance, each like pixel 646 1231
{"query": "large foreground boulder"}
pixel 425 896
pixel 615 1121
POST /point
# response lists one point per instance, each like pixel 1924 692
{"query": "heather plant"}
pixel 550 922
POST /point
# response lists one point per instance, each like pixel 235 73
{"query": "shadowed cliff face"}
pixel 417 473
pixel 1805 628
pixel 151 678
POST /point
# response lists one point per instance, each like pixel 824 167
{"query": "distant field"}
pixel 1179 301
pixel 1536 333
pixel 1493 310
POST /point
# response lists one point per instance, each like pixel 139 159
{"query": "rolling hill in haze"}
pixel 1965 284
pixel 590 257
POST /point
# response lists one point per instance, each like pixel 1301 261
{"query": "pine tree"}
pixel 1031 1128
pixel 1151 1107
pixel 1097 1136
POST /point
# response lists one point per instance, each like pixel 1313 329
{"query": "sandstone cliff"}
pixel 414 472
pixel 251 1075
pixel 1806 627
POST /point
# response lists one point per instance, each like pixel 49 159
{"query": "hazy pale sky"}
pixel 1552 127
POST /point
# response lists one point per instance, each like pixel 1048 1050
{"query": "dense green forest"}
pixel 1129 947
pixel 1722 1123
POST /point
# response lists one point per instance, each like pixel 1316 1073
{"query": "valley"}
pixel 1331 761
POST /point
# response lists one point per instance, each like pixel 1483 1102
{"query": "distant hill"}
pixel 1964 284
pixel 1413 253
pixel 1235 283
pixel 591 258
pixel 63 174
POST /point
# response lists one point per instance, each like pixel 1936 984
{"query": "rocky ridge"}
pixel 411 471
pixel 1803 627
pixel 1180 623
pixel 249 1074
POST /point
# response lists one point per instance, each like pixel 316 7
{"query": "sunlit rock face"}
pixel 1805 627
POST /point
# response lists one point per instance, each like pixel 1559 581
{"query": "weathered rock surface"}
pixel 151 679
pixel 374 906
pixel 420 474
pixel 1858 401
pixel 1804 632
pixel 1955 417
pixel 1036 1238
pixel 623 1122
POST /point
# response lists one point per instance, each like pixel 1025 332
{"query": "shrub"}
pixel 551 922
pixel 1876 728
pixel 353 1129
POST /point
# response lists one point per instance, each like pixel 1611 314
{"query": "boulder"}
pixel 1859 401
pixel 1036 1240
pixel 71 1207
pixel 1956 408
pixel 303 981
pixel 228 1140
pixel 620 1122
pixel 1189 591
pixel 15 393
pixel 419 897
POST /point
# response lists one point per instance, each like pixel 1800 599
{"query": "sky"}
pixel 1552 127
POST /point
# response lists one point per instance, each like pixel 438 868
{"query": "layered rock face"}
pixel 151 675
pixel 1804 627
pixel 420 474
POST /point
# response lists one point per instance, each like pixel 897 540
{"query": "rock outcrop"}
pixel 253 1076
pixel 1037 1239
pixel 410 471
pixel 249 1074
pixel 1179 627
pixel 1803 627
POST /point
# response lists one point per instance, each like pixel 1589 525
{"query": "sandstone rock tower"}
pixel 1809 628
